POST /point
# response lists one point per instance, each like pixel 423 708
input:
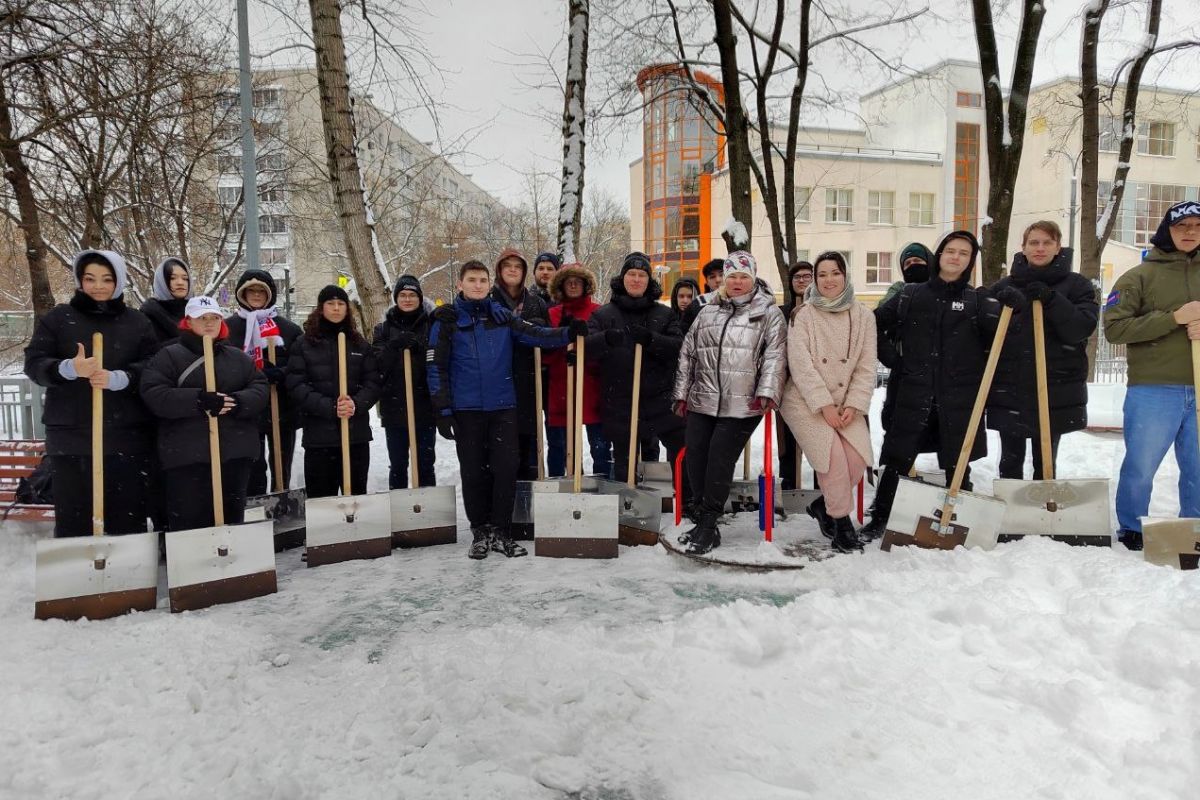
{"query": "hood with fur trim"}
pixel 572 271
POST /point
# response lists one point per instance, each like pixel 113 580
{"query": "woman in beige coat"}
pixel 831 358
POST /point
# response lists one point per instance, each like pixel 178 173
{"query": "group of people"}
pixel 713 363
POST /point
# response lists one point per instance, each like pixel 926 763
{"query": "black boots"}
pixel 1131 539
pixel 705 536
pixel 816 510
pixel 481 542
pixel 502 542
pixel 845 540
pixel 881 506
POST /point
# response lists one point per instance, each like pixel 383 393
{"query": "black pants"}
pixel 667 429
pixel 397 444
pixel 1012 456
pixel 323 469
pixel 714 445
pixel 125 494
pixel 190 490
pixel 788 456
pixel 487 464
pixel 648 446
pixel 527 456
pixel 266 456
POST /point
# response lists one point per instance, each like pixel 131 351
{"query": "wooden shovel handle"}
pixel 276 437
pixel 538 418
pixel 1043 397
pixel 214 437
pixel 579 362
pixel 633 415
pixel 98 441
pixel 412 420
pixel 985 386
pixel 1196 381
pixel 570 432
pixel 345 421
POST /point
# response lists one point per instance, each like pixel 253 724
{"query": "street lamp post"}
pixel 249 170
pixel 1074 162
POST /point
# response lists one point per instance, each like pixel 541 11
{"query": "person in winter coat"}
pixel 1154 309
pixel 1042 271
pixel 60 358
pixel 683 294
pixel 634 316
pixel 943 327
pixel 800 277
pixel 173 388
pixel 405 327
pixel 732 368
pixel 510 291
pixel 171 290
pixel 831 362
pixel 544 268
pixel 471 382
pixel 312 381
pixel 714 274
pixel 572 290
pixel 256 323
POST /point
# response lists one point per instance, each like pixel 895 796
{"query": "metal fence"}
pixel 21 408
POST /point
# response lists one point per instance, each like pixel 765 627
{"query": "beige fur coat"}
pixel 831 361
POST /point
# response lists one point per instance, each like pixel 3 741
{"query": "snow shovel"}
pixel 224 563
pixel 96 576
pixel 284 507
pixel 639 508
pixel 522 519
pixel 346 527
pixel 575 524
pixel 1072 511
pixel 1176 542
pixel 421 516
pixel 796 501
pixel 942 519
pixel 743 492
pixel 657 475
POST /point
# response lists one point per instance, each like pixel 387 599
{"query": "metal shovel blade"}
pixel 743 496
pixel 1071 511
pixel 221 564
pixel 916 519
pixel 423 517
pixel 343 528
pixel 794 501
pixel 286 512
pixel 657 475
pixel 1172 542
pixel 97 577
pixel 575 525
pixel 639 513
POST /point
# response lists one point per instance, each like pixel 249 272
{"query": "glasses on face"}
pixel 802 277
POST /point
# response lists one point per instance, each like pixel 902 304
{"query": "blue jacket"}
pixel 469 361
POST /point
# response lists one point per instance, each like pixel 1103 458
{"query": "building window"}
pixel 269 162
pixel 1150 206
pixel 966 177
pixel 272 194
pixel 970 100
pixel 920 209
pixel 839 205
pixel 273 256
pixel 228 100
pixel 879 267
pixel 272 223
pixel 881 207
pixel 229 163
pixel 267 98
pixel 1156 139
pixel 1110 134
pixel 229 132
pixel 229 195
pixel 803 203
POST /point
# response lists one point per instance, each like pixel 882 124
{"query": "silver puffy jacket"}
pixel 732 354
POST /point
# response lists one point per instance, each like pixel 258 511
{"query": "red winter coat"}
pixel 556 363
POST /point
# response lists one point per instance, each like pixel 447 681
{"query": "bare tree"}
pixel 574 118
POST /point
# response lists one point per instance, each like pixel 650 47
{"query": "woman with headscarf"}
pixel 170 292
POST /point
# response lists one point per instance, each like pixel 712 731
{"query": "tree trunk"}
pixel 345 179
pixel 1005 126
pixel 570 208
pixel 737 133
pixel 16 172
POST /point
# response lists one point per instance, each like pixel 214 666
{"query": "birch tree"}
pixel 574 118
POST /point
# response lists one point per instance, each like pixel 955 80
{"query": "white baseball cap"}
pixel 199 306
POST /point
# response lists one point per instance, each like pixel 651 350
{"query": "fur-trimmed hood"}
pixel 558 295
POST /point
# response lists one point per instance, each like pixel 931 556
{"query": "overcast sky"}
pixel 486 50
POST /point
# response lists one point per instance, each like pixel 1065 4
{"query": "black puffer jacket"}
pixel 658 360
pixel 289 416
pixel 164 316
pixel 182 426
pixel 680 316
pixel 393 408
pixel 129 342
pixel 944 330
pixel 312 382
pixel 1070 318
pixel 532 309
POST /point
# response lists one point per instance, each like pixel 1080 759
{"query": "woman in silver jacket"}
pixel 732 368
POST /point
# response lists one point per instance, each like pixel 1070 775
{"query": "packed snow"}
pixel 1034 670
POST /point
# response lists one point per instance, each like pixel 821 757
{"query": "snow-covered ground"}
pixel 1035 670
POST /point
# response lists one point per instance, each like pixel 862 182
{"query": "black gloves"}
pixel 210 403
pixel 406 340
pixel 274 375
pixel 639 334
pixel 1010 296
pixel 577 328
pixel 1039 291
pixel 445 426
pixel 572 359
pixel 614 337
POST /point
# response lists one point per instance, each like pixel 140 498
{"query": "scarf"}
pixel 813 297
pixel 261 331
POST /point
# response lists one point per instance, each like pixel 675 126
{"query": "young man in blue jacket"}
pixel 470 377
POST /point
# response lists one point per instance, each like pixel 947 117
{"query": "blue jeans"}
pixel 1155 418
pixel 556 450
pixel 397 444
